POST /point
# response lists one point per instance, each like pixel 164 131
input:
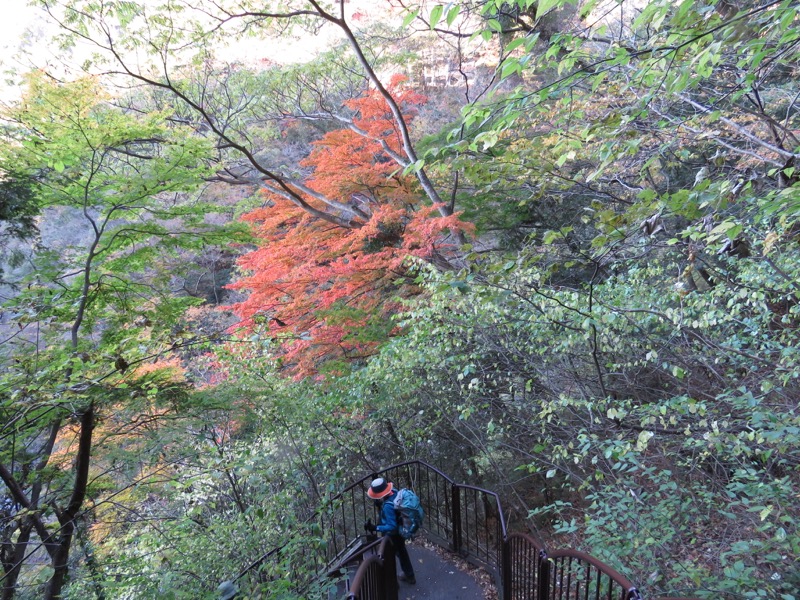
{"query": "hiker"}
pixel 383 493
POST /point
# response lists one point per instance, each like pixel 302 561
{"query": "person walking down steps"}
pixel 383 493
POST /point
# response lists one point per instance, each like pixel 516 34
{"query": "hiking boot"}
pixel 410 580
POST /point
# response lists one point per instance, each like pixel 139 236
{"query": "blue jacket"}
pixel 388 523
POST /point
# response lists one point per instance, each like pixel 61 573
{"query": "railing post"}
pixel 507 573
pixel 456 496
pixel 543 576
pixel 389 571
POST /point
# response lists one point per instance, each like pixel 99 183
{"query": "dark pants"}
pixel 402 555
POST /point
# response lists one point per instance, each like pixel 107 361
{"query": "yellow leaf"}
pixel 770 241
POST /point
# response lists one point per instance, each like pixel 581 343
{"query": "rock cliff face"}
pixel 61 230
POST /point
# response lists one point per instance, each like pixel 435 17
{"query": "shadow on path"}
pixel 438 579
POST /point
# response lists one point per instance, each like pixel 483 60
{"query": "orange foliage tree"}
pixel 325 290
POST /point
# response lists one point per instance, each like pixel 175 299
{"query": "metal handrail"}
pixel 612 573
pixel 576 574
pixel 454 545
pixel 376 577
pixel 458 517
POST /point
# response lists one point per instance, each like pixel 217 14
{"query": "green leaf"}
pixel 550 236
pixel 414 167
pixel 410 16
pixel 587 7
pixel 544 6
pixel 734 231
pixel 565 157
pixel 514 44
pixel 510 66
pixel 436 15
pixel 453 13
pixel 723 227
pixel 598 80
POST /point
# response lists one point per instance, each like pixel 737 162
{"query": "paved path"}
pixel 438 579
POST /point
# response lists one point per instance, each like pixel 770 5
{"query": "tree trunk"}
pixel 91 564
pixel 67 517
pixel 17 555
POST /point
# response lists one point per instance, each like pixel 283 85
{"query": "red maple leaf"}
pixel 332 289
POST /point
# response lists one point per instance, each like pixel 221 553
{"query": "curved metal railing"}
pixel 467 520
pixel 523 572
pixel 574 574
pixel 470 521
pixel 376 576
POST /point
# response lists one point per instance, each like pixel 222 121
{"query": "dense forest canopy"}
pixel 550 246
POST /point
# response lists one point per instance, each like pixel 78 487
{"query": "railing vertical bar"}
pixel 437 505
pixel 588 580
pixel 508 572
pixel 353 512
pixel 485 546
pixel 331 521
pixel 346 531
pixel 505 579
pixel 486 535
pixel 332 536
pixel 450 521
pixel 347 525
pixel 430 506
pixel 522 553
pixel 543 575
pixel 518 551
pixel 463 495
pixel 533 578
pixel 467 537
pixel 448 509
pixel 472 529
pixel 597 588
pixel 498 532
pixel 475 526
pixel 553 579
pixel 569 578
pixel 441 500
pixel 475 534
pixel 527 587
pixel 522 575
pixel 456 517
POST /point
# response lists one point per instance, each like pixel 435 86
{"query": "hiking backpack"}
pixel 409 513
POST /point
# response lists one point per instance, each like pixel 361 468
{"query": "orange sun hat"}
pixel 379 488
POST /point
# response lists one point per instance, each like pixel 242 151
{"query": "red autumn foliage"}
pixel 328 291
